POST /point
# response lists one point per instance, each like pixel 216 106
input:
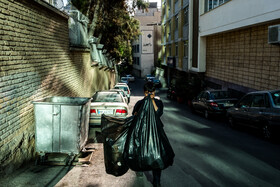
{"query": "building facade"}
pixel 234 49
pixel 180 44
pixel 147 47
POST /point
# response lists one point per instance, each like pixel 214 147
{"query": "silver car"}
pixel 107 102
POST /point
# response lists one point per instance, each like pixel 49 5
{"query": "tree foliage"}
pixel 110 21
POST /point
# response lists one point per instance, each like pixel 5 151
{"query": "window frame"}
pixel 186 15
pixel 212 4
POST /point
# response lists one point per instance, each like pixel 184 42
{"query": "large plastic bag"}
pixel 114 132
pixel 147 146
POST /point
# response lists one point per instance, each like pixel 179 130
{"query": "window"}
pixel 245 102
pixel 169 5
pixel 186 15
pixel 267 103
pixel 205 95
pixel 211 4
pixel 135 48
pixel 136 60
pixel 276 97
pixel 176 50
pixel 170 50
pixel 177 22
pixel 258 101
pixel 186 48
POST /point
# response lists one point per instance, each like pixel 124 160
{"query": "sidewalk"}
pixel 94 174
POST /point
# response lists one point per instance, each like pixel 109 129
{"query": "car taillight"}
pixel 128 91
pixel 121 111
pixel 92 111
pixel 214 104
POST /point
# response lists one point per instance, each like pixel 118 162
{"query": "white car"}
pixel 122 92
pixel 108 102
pixel 125 88
pixel 130 78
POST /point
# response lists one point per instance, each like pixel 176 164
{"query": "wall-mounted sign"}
pixel 147 42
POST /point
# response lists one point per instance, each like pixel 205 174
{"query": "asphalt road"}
pixel 208 153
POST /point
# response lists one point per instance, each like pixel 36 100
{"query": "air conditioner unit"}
pixel 274 34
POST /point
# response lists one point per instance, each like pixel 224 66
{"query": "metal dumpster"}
pixel 61 124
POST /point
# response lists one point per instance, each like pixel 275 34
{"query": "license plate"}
pixel 105 112
pixel 228 104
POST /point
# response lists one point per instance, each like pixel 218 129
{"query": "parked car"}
pixel 123 94
pixel 130 78
pixel 259 110
pixel 156 81
pixel 171 92
pixel 125 88
pixel 121 83
pixel 124 80
pixel 107 102
pixel 213 102
pixel 148 77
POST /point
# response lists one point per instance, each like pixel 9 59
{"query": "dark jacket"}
pixel 158 102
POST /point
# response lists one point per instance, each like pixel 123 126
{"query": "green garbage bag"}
pixel 147 146
pixel 114 132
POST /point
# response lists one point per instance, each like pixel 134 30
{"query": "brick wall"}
pixel 244 58
pixel 35 62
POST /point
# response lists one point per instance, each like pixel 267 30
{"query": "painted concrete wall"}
pixel 147 64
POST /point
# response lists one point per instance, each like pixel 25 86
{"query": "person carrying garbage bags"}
pixel 141 144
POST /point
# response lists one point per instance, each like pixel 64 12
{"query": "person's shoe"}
pixel 139 174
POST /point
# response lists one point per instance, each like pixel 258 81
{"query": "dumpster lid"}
pixel 62 100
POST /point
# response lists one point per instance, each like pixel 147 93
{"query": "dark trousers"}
pixel 156 176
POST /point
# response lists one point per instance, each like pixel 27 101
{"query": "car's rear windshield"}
pixel 220 95
pixel 121 87
pixel 276 97
pixel 106 97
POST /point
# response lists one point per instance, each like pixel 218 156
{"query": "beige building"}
pixel 147 47
pixel 179 45
pixel 235 52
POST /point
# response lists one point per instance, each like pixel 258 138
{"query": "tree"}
pixel 110 21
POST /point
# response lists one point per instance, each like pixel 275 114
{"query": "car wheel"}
pixel 206 114
pixel 266 130
pixel 231 122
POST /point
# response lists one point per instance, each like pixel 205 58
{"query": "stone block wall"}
pixel 244 58
pixel 36 62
